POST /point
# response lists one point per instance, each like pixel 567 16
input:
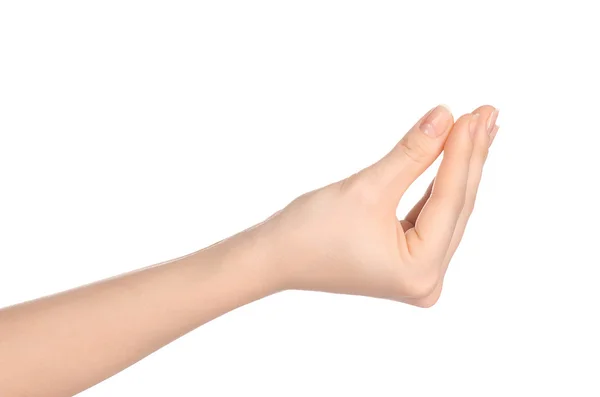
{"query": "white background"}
pixel 136 132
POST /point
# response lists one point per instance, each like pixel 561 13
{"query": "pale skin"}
pixel 343 238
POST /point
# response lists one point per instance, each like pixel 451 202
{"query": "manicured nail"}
pixel 474 124
pixel 437 121
pixel 492 121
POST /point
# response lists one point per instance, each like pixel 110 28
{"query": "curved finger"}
pixel 413 214
pixel 435 224
pixel 482 141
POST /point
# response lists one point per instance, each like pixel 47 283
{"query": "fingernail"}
pixel 495 129
pixel 473 124
pixel 492 121
pixel 437 121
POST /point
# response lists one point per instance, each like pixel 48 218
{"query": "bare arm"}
pixel 65 343
pixel 343 238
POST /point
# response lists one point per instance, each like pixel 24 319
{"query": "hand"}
pixel 345 237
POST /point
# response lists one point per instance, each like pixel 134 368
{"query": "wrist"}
pixel 249 260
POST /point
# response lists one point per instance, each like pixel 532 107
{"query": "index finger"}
pixel 435 224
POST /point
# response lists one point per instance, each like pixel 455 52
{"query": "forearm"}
pixel 342 238
pixel 65 343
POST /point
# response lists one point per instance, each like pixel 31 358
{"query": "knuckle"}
pixel 360 187
pixel 413 148
pixel 348 185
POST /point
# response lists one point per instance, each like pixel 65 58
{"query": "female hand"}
pixel 343 238
pixel 346 238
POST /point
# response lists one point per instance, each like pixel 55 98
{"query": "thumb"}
pixel 413 154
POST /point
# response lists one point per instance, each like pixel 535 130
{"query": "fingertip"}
pixel 474 124
pixel 448 109
pixel 449 113
pixel 490 115
pixel 493 134
pixel 484 109
pixel 437 122
pixel 462 124
pixel 462 137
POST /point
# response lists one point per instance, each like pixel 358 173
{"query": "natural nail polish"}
pixel 493 133
pixel 492 121
pixel 437 121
